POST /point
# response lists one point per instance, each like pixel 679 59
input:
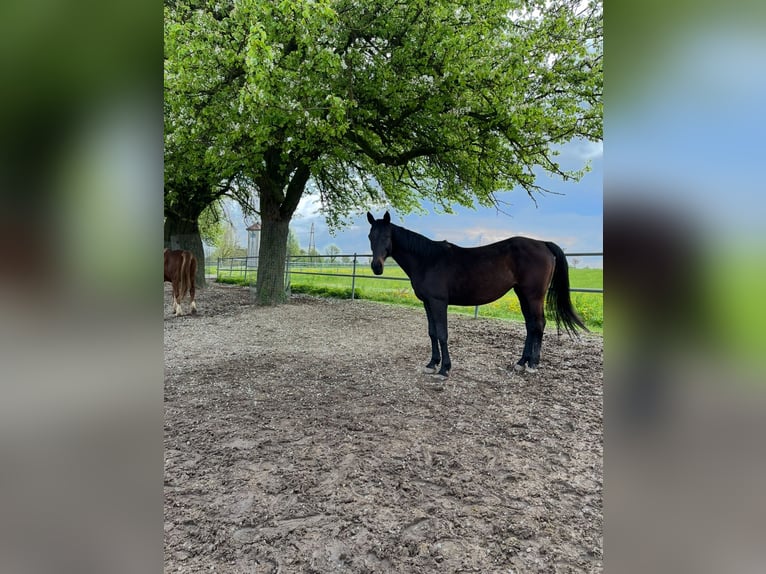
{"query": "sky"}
pixel 691 137
pixel 572 217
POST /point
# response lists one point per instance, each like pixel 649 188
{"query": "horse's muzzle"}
pixel 377 266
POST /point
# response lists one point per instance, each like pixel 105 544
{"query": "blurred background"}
pixel 686 283
pixel 80 300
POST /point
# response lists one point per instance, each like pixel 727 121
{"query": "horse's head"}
pixel 380 241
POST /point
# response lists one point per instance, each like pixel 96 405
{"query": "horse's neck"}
pixel 409 248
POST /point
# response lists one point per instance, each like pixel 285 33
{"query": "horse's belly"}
pixel 476 296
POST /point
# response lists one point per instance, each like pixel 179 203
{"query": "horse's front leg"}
pixel 435 356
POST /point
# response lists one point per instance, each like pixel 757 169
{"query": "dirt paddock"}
pixel 303 438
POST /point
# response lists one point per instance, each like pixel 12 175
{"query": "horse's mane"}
pixel 416 243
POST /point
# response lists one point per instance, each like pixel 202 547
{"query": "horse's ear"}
pixel 387 218
pixel 370 218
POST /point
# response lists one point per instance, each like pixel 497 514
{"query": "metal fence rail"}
pixel 242 266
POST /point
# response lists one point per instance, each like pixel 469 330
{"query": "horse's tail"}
pixel 186 278
pixel 559 303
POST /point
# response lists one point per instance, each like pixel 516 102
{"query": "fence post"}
pixel 476 312
pixel 218 268
pixel 288 277
pixel 353 278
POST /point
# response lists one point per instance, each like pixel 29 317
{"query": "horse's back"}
pixel 480 275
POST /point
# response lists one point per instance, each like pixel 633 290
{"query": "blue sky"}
pixel 691 136
pixel 573 219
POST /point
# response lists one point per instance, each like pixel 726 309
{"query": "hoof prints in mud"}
pixel 302 438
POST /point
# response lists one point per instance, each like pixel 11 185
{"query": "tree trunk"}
pixel 279 192
pixel 183 233
pixel 270 284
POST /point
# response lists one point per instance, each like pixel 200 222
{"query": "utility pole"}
pixel 312 244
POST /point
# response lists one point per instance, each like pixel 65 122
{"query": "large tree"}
pixel 199 171
pixel 391 101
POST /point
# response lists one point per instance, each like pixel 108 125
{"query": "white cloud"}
pixel 482 235
pixel 582 150
pixel 587 150
pixel 308 206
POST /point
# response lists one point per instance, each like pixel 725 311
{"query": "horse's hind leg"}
pixel 534 319
pixel 193 284
pixel 435 355
pixel 527 341
pixel 176 299
pixel 191 295
pixel 538 328
pixel 439 315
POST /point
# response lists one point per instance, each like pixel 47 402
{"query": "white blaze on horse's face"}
pixel 380 241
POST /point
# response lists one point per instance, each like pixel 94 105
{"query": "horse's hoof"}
pixel 439 377
pixel 518 367
pixel 429 370
pixel 531 369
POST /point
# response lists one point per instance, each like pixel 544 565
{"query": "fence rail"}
pixel 242 266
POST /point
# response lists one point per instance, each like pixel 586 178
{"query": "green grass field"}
pixel 303 280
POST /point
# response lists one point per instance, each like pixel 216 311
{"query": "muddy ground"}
pixel 303 438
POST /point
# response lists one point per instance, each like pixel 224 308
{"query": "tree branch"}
pixel 295 190
pixel 391 159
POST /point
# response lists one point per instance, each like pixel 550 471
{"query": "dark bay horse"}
pixel 180 270
pixel 444 274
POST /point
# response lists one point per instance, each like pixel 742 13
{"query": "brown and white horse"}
pixel 180 270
